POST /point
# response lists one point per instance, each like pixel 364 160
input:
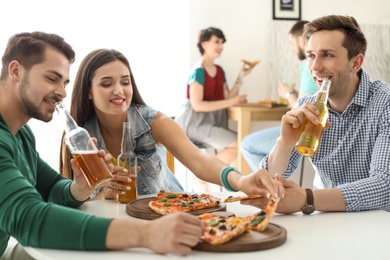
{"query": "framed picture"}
pixel 286 9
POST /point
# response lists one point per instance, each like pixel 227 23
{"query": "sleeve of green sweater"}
pixel 35 201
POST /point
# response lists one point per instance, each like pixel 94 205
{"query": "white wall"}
pixel 159 38
pixel 153 34
pixel 246 26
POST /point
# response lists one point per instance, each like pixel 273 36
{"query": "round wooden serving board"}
pixel 273 236
pixel 139 209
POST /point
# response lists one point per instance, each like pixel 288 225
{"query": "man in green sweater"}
pixel 36 203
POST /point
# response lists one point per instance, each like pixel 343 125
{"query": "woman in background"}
pixel 203 116
pixel 105 95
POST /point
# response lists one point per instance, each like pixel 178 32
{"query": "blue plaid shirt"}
pixel 354 154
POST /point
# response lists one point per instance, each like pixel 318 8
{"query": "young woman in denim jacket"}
pixel 105 95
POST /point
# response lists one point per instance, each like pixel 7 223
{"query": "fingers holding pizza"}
pixel 248 66
pixel 174 233
pixel 260 183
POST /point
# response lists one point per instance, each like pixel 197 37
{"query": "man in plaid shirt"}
pixel 352 163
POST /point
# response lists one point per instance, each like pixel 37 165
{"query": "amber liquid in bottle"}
pixel 128 160
pixel 83 149
pixel 309 140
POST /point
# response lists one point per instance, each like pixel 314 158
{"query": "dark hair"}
pixel 205 35
pixel 29 49
pixel 297 29
pixel 355 42
pixel 81 108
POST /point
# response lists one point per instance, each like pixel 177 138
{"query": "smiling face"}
pixel 328 58
pixel 213 47
pixel 111 90
pixel 43 85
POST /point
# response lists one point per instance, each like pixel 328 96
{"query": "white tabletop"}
pixel 360 235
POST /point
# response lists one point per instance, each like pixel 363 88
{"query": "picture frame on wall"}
pixel 286 9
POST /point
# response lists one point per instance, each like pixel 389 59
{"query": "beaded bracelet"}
pixel 223 177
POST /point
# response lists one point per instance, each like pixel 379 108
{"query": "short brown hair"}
pixel 29 49
pixel 297 29
pixel 355 42
pixel 206 34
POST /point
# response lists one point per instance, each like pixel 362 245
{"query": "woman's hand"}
pixel 120 176
pixel 260 183
pixel 246 68
pixel 293 201
pixel 239 99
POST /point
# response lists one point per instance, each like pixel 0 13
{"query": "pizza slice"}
pixel 259 221
pixel 220 230
pixel 238 198
pixel 251 63
pixel 169 202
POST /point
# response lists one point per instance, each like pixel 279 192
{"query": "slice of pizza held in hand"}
pixel 251 63
pixel 259 221
pixel 238 198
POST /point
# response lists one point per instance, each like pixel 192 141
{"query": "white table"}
pixel 360 235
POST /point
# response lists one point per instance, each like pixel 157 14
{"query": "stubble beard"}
pixel 301 54
pixel 29 107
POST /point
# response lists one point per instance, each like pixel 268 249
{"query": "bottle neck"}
pixel 70 124
pixel 126 146
pixel 323 93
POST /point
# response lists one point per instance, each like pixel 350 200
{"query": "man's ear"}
pixel 357 63
pixel 14 70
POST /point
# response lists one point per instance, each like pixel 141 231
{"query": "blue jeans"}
pixel 256 146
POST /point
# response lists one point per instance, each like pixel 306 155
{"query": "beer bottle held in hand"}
pixel 128 160
pixel 310 137
pixel 84 151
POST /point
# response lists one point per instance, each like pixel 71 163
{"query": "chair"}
pixel 171 161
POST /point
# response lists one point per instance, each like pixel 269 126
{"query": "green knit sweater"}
pixel 36 206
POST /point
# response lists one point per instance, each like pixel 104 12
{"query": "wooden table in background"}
pixel 244 114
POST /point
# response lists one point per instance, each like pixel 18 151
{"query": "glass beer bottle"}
pixel 310 138
pixel 84 151
pixel 128 160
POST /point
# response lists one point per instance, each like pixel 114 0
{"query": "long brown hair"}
pixel 81 108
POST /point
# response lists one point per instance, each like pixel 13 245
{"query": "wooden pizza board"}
pixel 139 209
pixel 273 236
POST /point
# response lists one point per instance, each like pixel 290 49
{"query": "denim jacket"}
pixel 154 174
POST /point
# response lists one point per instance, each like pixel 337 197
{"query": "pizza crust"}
pixel 268 213
pixel 238 198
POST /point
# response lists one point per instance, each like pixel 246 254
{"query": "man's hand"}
pixel 80 188
pixel 293 201
pixel 285 88
pixel 294 121
pixel 173 233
